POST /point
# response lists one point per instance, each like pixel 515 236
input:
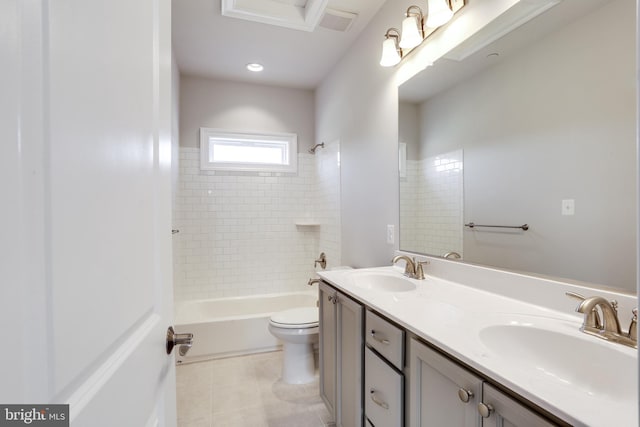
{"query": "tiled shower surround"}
pixel 431 200
pixel 247 233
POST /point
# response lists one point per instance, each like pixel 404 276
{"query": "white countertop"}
pixel 452 316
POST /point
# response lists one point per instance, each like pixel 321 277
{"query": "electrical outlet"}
pixel 391 234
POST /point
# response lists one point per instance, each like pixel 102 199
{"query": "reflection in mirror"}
pixel 538 128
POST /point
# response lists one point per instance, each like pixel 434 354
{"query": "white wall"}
pixel 240 106
pixel 357 103
pixel 541 127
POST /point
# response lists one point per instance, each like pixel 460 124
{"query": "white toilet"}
pixel 297 328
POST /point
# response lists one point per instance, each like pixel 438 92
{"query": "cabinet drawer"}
pixel 383 392
pixel 385 338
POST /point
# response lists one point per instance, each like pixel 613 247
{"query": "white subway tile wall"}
pixel 238 233
pixel 431 205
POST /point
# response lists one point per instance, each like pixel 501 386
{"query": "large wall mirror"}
pixel 538 128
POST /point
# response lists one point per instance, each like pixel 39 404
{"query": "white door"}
pixel 85 244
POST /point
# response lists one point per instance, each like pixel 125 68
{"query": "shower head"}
pixel 313 150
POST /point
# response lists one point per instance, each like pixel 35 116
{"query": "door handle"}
pixel 183 341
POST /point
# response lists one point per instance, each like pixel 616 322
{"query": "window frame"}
pixel 291 140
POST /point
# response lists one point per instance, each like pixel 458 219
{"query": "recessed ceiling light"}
pixel 255 67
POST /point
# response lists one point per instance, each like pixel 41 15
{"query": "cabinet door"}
pixel 327 342
pixel 503 411
pixel 350 362
pixel 442 393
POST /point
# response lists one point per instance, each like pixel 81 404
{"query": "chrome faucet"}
pixel 412 268
pixel 608 327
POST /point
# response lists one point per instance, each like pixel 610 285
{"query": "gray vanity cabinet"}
pixel 441 392
pixel 341 356
pixel 503 411
pixel 367 387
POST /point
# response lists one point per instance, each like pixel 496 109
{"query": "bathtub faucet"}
pixel 322 260
pixel 313 281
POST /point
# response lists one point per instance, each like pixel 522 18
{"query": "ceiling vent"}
pixel 337 20
pixel 297 14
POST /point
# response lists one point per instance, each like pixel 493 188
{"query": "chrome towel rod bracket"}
pixel 524 227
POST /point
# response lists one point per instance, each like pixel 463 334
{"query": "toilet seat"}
pixel 296 318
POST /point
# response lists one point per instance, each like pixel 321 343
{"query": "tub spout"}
pixel 313 281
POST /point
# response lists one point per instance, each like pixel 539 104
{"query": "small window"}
pixel 245 151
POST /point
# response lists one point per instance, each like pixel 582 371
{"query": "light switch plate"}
pixel 391 231
pixel 568 207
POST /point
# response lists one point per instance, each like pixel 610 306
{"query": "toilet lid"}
pixel 302 317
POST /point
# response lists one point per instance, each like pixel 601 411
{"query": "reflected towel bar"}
pixel 524 227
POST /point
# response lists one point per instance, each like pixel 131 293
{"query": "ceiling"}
pixel 208 44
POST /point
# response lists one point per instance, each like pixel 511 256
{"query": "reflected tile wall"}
pixel 431 204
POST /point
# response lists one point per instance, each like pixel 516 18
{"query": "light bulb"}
pixel 390 54
pixel 411 36
pixel 255 67
pixel 438 14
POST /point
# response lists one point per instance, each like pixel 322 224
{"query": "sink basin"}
pixel 383 282
pixel 594 368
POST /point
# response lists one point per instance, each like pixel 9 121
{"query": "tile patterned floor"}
pixel 246 392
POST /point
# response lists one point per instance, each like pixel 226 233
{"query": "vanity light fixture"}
pixel 438 13
pixel 255 67
pixel 391 53
pixel 412 28
pixel 397 44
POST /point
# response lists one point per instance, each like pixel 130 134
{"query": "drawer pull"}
pixel 465 395
pixel 377 401
pixel 377 338
pixel 333 298
pixel 485 409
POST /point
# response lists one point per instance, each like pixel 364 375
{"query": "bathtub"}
pixel 225 327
